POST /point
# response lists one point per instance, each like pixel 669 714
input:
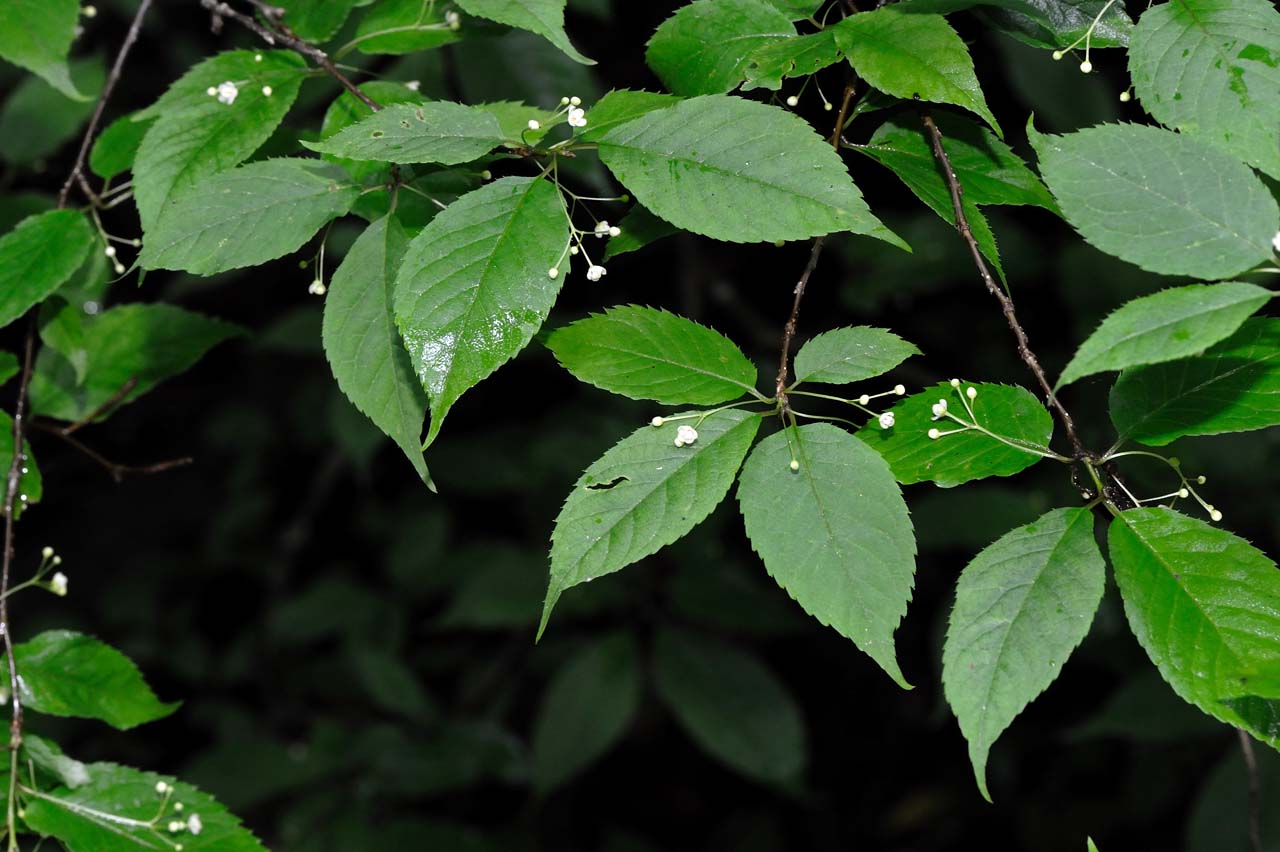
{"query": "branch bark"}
pixel 1255 792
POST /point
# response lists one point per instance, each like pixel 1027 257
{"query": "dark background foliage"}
pixel 356 654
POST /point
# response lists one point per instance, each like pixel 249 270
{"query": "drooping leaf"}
pixel 586 709
pixel 1160 200
pixel 37 120
pixel 704 48
pixel 737 710
pixel 39 256
pixel 645 353
pixel 436 132
pixel 31 485
pixel 48 757
pixel 116 147
pixel 119 811
pixel 143 343
pixel 397 27
pixel 247 216
pixel 845 355
pixel 1233 387
pixel 1011 412
pixel 70 674
pixel 682 166
pixel 620 106
pixel 544 17
pixel 474 287
pixel 1022 606
pixel 1165 326
pixel 363 345
pixel 315 21
pixel 639 228
pixel 1205 606
pixel 1211 69
pixel 643 494
pixel 913 55
pixel 195 135
pixel 798 56
pixel 834 532
pixel 37 34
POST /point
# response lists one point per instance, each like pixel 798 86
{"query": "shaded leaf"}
pixel 705 47
pixel 544 17
pixel 39 256
pixel 845 355
pixel 402 26
pixel 37 34
pixel 315 20
pixel 37 120
pixel 639 228
pixel 116 147
pixel 31 485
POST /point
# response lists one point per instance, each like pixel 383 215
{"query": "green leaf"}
pixel 1022 606
pixel 315 21
pixel 47 756
pixel 362 343
pixel 1205 606
pixel 116 147
pixel 1090 846
pixel 437 132
pixel 389 683
pixel 1060 23
pixel 195 135
pixel 1232 387
pixel 39 256
pixel 145 343
pixel 70 674
pixel 1211 69
pixel 397 27
pixel 513 121
pixel 586 709
pixel 645 353
pixel 347 110
pixel 620 106
pixel 117 812
pixel 37 35
pixel 913 55
pixel 1165 326
pixel 1160 200
pixel 797 56
pixel 643 494
pixel 986 168
pixel 544 17
pixel 737 710
pixel 247 216
pixel 1011 412
pixel 639 228
pixel 845 355
pixel 37 120
pixel 474 287
pixel 797 10
pixel 31 485
pixel 9 366
pixel 704 48
pixel 683 167
pixel 834 533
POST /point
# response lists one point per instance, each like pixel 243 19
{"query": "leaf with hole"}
pixel 435 132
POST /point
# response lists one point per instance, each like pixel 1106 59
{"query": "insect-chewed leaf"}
pixel 645 353
pixel 39 256
pixel 1205 605
pixel 1011 412
pixel 436 132
pixel 798 56
pixel 912 55
pixel 1161 200
pixel 1211 69
pixel 704 48
pixel 544 17
pixel 834 532
pixel 845 355
pixel 643 494
pixel 1166 326
pixel 682 166
pixel 474 285
pixel 247 216
pixel 1022 606
pixel 1233 387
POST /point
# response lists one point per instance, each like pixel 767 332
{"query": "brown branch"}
pixel 117 471
pixel 77 171
pixel 1006 303
pixel 220 10
pixel 106 408
pixel 789 330
pixel 1255 792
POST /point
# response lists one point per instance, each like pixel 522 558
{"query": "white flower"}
pixel 413 85
pixel 686 435
pixel 227 92
pixel 1275 241
pixel 58 584
pixel 577 117
pixel 596 272
pixel 194 825
pixel 534 124
pixel 886 420
pixel 453 19
pixel 602 228
pixel 317 288
pixel 940 409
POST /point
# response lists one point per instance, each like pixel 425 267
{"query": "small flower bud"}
pixel 1086 67
pixel 176 825
pixel 1201 480
pixel 413 85
pixel 89 11
pixel 257 57
pixel 795 464
pixel 1215 515
pixel 486 175
pixel 453 20
pixel 1057 54
pixel 119 268
pixel 266 90
pixel 56 560
pixel 940 409
pixel 602 228
pixel 573 250
pixel 864 399
pixel 971 392
pixel 564 101
pixel 47 552
pixel 899 389
pixel 317 288
pixel 1275 241
pixel 211 91
pixel 1125 97
pixel 793 101
pixel 58 584
pixel 177 806
pixel 827 105
pixel 934 433
pixel 1183 493
pixel 615 231
pixel 109 251
pixel 553 272
pixel 534 124
pixel 162 787
pixel 575 101
pixel 955 383
pixel 657 421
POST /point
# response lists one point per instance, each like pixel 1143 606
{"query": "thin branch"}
pixel 1006 303
pixel 77 171
pixel 106 408
pixel 117 471
pixel 220 10
pixel 1255 792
